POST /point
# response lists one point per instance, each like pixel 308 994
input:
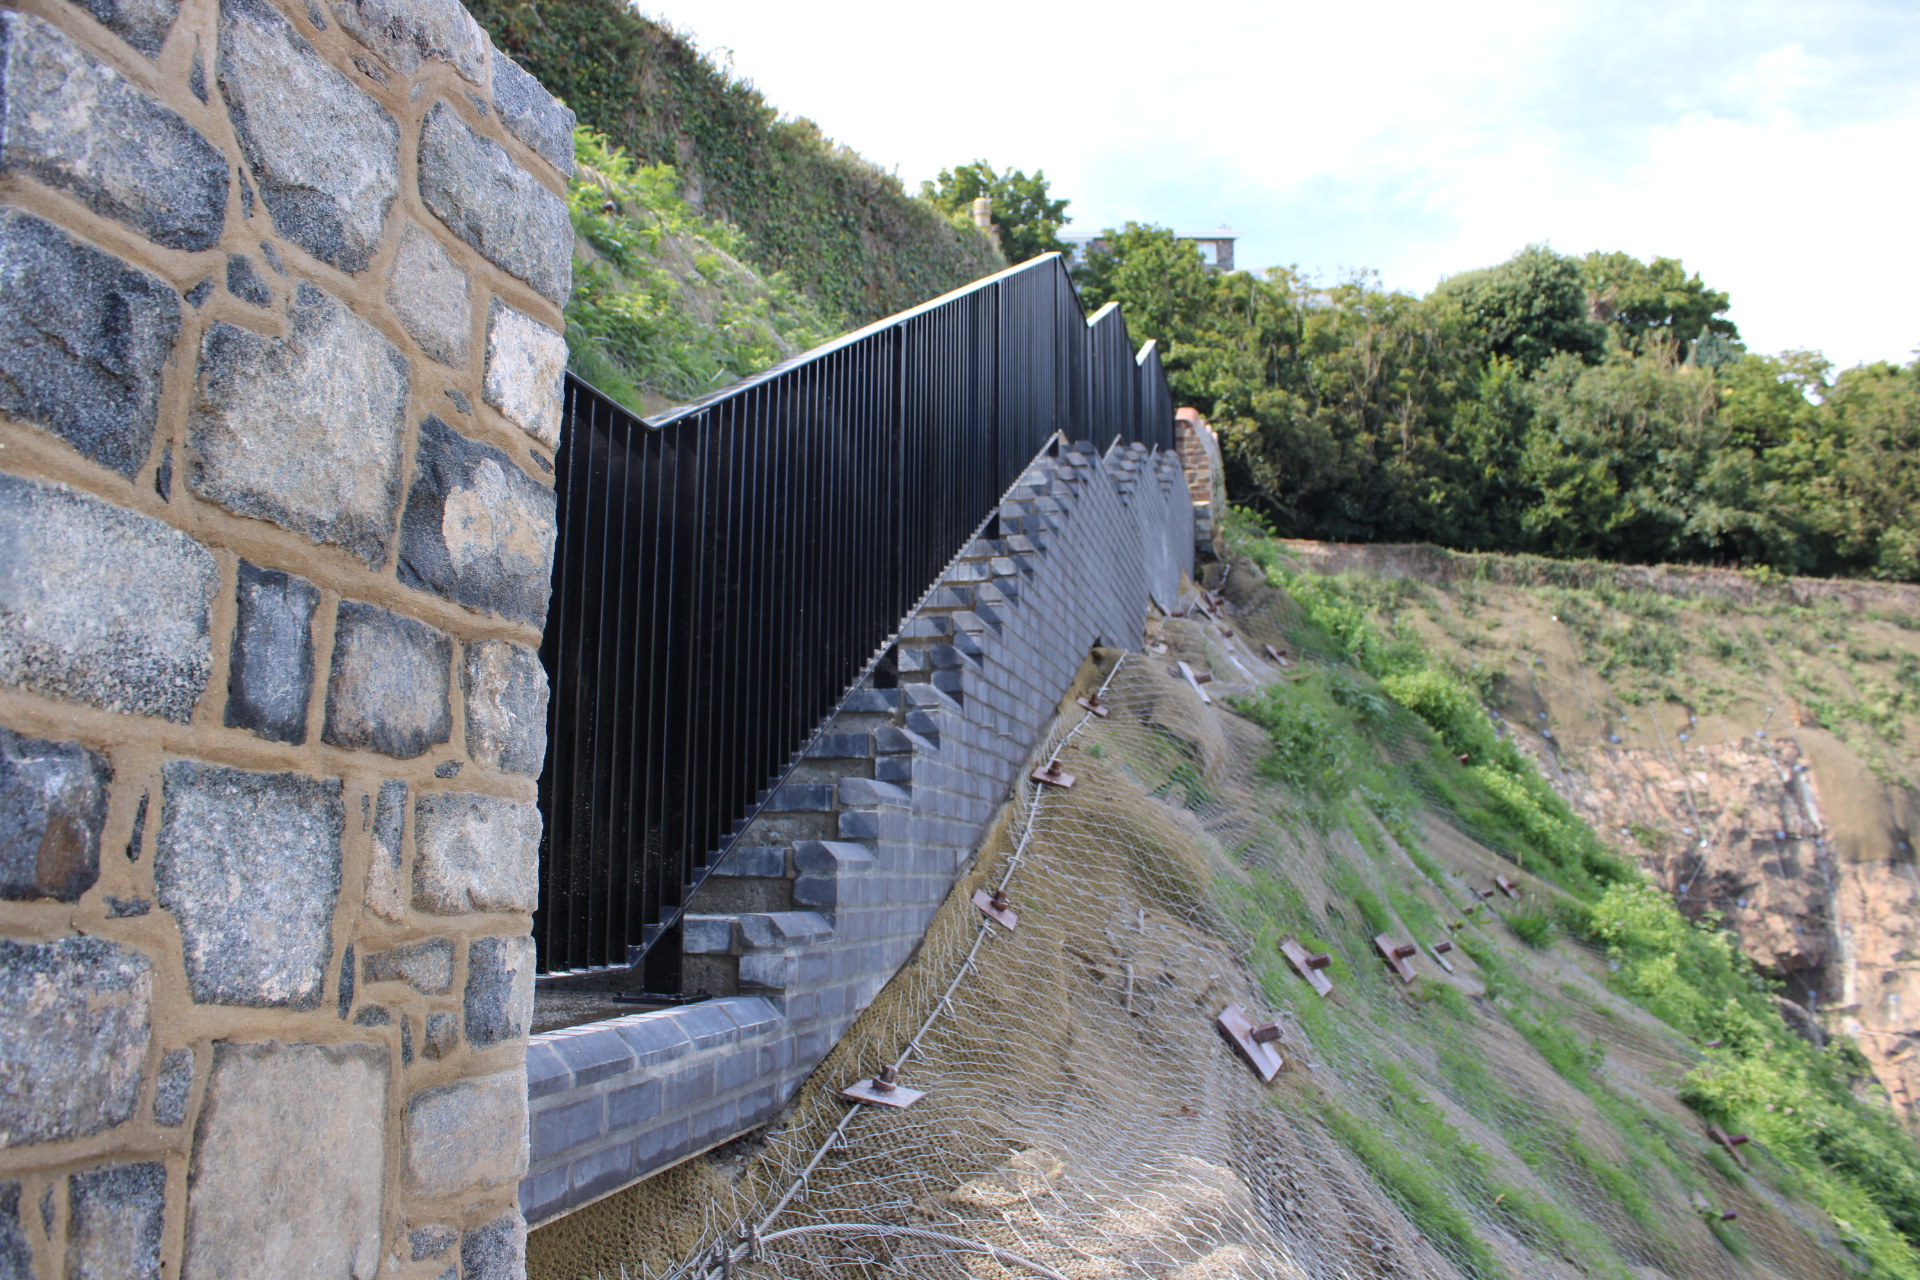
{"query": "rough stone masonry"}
pixel 280 361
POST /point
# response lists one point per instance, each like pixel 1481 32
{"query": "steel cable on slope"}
pixel 740 1252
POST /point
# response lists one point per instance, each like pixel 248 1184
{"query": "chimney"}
pixel 983 212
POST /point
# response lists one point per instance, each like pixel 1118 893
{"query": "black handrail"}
pixel 728 571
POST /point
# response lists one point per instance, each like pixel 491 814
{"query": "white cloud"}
pixel 1770 149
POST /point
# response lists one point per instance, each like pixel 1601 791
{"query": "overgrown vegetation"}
pixel 662 308
pixel 1571 407
pixel 1435 744
pixel 846 233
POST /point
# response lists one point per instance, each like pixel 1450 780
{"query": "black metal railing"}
pixel 727 571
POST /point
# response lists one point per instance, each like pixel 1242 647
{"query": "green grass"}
pixel 1366 741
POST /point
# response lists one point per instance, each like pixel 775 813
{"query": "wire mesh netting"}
pixel 1502 1114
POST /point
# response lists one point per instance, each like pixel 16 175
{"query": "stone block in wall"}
pixel 526 364
pixel 100 605
pixel 141 23
pixel 496 1250
pixel 16 1252
pixel 427 966
pixel 472 184
pixel 244 283
pixel 53 802
pixel 385 893
pixel 505 687
pixel 442 1035
pixel 115 1218
pixel 249 865
pixel 475 852
pixel 173 1088
pixel 404 34
pixel 306 430
pixel 468 1134
pixel 324 155
pixel 478 530
pixel 83 339
pixel 533 115
pixel 69 120
pixel 77 1013
pixel 429 294
pixel 388 687
pixel 270 673
pixel 289 1162
pixel 498 1005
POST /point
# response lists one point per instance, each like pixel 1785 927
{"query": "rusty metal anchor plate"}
pixel 1000 912
pixel 869 1091
pixel 1731 1141
pixel 1093 706
pixel 1053 775
pixel 1194 680
pixel 1310 967
pixel 1439 950
pixel 1398 955
pixel 1507 886
pixel 1239 1031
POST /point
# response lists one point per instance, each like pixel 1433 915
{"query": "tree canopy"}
pixel 1599 406
pixel 1028 216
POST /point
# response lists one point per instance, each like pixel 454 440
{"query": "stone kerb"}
pixel 280 361
pixel 835 883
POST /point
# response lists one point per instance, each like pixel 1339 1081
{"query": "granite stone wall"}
pixel 280 291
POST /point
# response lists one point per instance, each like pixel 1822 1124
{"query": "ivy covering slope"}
pixel 845 232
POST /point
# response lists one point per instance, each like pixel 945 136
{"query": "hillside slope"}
pixel 1537 1101
pixel 845 232
pixel 1749 740
pixel 663 309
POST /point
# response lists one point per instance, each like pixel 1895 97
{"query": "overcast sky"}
pixel 1773 147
